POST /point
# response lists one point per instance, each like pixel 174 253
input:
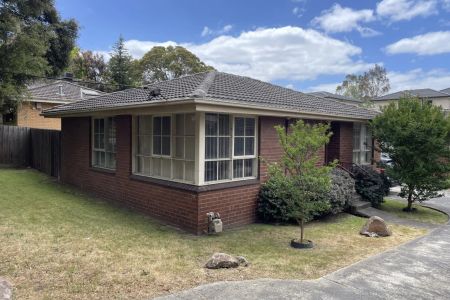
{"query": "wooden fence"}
pixel 29 147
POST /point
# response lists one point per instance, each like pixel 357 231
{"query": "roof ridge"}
pixel 203 88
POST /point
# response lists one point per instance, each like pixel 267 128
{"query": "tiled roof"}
pixel 328 95
pixel 217 87
pixel 51 91
pixel 421 93
pixel 446 91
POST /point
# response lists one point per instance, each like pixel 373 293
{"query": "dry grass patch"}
pixel 421 214
pixel 60 244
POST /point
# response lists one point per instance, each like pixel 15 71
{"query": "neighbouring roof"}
pixel 60 91
pixel 328 95
pixel 218 88
pixel 421 93
pixel 447 91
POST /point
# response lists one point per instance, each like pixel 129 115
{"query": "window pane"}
pixel 189 171
pixel 157 125
pixel 238 168
pixel 166 125
pixel 239 126
pixel 178 169
pixel 110 160
pixel 211 121
pixel 156 166
pixel 145 125
pixel 250 127
pixel 210 170
pixel 101 141
pixel 179 124
pixel 248 167
pixel 165 140
pixel 224 125
pixel 144 145
pixel 96 141
pixel 166 167
pixel 190 148
pixel 224 147
pixel 249 146
pixel 190 124
pixel 224 170
pixel 210 147
pixel 179 147
pixel 239 146
pixel 157 145
pixel 143 165
pixel 356 136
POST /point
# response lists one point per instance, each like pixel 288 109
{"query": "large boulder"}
pixel 375 226
pixel 5 290
pixel 222 260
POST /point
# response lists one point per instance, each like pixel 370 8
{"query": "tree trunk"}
pixel 301 231
pixel 410 201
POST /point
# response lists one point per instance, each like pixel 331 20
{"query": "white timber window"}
pixel 165 146
pixel 104 143
pixel 362 144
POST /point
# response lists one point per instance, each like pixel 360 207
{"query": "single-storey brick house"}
pixel 45 95
pixel 179 149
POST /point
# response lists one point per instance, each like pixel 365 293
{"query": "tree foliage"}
pixel 416 136
pixel 121 66
pixel 34 41
pixel 164 63
pixel 371 84
pixel 88 66
pixel 301 181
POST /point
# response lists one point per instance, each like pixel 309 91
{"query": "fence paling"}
pixel 36 148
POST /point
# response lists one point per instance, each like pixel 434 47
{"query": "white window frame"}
pixel 104 149
pixel 362 149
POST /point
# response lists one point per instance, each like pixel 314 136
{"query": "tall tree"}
pixel 416 136
pixel 163 63
pixel 121 66
pixel 89 66
pixel 371 84
pixel 34 41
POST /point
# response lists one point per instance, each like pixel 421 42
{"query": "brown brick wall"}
pixel 341 143
pixel 182 208
pixel 28 116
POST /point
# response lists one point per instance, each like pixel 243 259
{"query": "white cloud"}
pixel 446 4
pixel 298 11
pixel 345 19
pixel 208 31
pixel 424 44
pixel 415 79
pixel 399 10
pixel 290 53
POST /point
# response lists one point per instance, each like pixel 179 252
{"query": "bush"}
pixel 342 188
pixel 369 184
pixel 387 183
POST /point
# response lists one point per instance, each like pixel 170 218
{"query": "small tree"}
pixel 416 136
pixel 302 181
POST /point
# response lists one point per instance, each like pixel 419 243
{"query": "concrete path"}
pixel 5 290
pixel 417 270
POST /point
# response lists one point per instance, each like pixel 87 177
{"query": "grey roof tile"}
pixel 421 93
pixel 446 91
pixel 223 88
pixel 71 92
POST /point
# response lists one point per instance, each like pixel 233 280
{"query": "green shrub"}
pixel 369 184
pixel 342 188
pixel 272 209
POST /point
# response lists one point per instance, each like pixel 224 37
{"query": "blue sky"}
pixel 303 44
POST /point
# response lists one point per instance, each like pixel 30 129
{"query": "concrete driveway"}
pixel 417 270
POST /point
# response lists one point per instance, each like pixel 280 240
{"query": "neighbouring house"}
pixel 438 98
pixel 179 149
pixel 45 95
pixel 341 98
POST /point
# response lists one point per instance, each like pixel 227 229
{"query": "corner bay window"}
pixel 165 147
pixel 104 143
pixel 362 144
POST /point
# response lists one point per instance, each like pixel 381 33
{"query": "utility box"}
pixel 214 223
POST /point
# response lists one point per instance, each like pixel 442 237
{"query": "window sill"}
pixel 103 170
pixel 192 187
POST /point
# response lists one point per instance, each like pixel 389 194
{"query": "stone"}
pixel 242 261
pixel 222 260
pixel 5 290
pixel 375 227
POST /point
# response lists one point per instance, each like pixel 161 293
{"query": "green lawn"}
pixel 421 214
pixel 57 243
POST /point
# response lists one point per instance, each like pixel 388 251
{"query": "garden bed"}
pixel 60 244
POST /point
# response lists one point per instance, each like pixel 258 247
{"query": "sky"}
pixel 307 45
